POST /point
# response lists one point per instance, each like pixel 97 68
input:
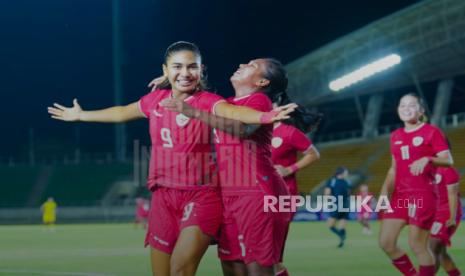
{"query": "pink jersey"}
pixel 245 165
pixel 286 143
pixel 445 177
pixel 409 146
pixel 181 155
pixel 142 209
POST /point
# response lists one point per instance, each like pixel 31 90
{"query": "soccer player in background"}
pixel 142 212
pixel 48 210
pixel 251 240
pixel 339 187
pixel 417 149
pixel 364 216
pixel 289 139
pixel 447 218
pixel 181 174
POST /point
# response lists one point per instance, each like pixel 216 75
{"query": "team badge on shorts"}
pixel 417 141
pixel 182 120
pixel 276 142
pixel 436 228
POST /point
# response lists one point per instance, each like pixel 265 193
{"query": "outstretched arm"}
pixel 115 114
pixel 230 126
pixel 236 121
pixel 248 115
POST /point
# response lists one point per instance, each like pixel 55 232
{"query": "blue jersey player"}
pixel 339 187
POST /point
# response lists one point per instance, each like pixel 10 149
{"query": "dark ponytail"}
pixel 301 118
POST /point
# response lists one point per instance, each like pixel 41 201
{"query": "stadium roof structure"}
pixel 429 36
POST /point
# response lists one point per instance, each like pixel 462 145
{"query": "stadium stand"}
pixel 84 184
pixel 353 156
pixel 16 184
pixel 71 185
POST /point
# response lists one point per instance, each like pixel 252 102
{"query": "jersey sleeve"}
pixel 209 101
pixel 260 102
pixel 146 102
pixel 438 141
pixel 348 184
pixel 300 141
pixel 453 177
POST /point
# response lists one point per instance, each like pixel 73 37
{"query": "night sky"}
pixel 53 51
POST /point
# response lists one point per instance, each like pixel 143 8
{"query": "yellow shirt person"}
pixel 49 212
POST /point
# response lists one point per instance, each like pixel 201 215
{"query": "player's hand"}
pixel 178 105
pixel 283 112
pixel 63 113
pixel 173 104
pixel 450 223
pixel 417 167
pixel 278 114
pixel 282 171
pixel 153 84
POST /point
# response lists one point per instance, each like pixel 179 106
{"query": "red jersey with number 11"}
pixel 407 146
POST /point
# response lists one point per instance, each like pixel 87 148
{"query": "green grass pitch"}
pixel 116 249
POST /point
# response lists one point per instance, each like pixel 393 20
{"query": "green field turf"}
pixel 116 249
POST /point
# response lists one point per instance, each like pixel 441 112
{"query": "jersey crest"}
pixel 417 141
pixel 276 142
pixel 182 120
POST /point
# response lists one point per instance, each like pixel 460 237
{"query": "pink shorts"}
pixel 174 209
pixel 416 208
pixel 248 233
pixel 440 231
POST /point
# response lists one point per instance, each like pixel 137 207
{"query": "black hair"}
pixel 301 118
pixel 277 77
pixel 179 47
pixel 340 170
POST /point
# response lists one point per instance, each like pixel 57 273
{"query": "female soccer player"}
pixel 181 175
pixel 447 218
pixel 142 212
pixel 364 216
pixel 250 240
pixel 288 140
pixel 416 150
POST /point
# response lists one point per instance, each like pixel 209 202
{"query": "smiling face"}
pixel 410 111
pixel 184 71
pixel 251 75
